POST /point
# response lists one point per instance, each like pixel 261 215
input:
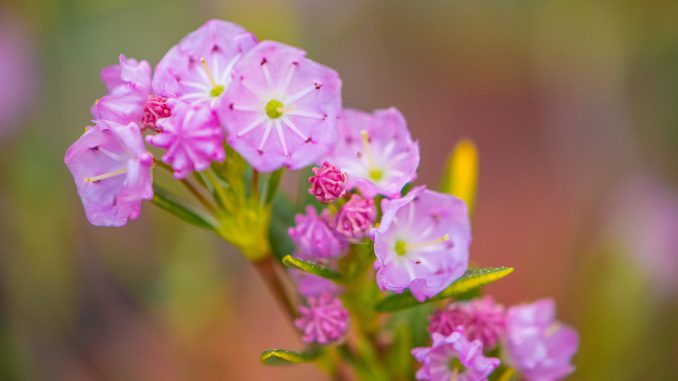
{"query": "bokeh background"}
pixel 573 106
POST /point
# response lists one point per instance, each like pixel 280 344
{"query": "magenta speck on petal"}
pixel 323 320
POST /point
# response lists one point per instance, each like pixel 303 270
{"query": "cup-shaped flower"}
pixel 198 69
pixel 537 345
pixel 192 138
pixel 355 218
pixel 328 183
pixel 422 243
pixel 454 357
pixel 277 91
pixel 313 236
pixel 324 320
pixel 112 171
pixel 376 151
pixel 129 87
pixel 483 319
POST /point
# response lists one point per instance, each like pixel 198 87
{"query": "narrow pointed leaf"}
pixel 311 268
pixel 275 357
pixel 461 172
pixel 172 204
pixel 473 279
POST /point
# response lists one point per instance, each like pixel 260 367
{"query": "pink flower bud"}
pixel 328 183
pixel 324 320
pixel 355 218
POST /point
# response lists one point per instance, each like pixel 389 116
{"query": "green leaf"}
pixel 473 279
pixel 172 204
pixel 282 218
pixel 311 268
pixel 274 357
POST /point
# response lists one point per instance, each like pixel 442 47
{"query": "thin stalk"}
pixel 255 184
pixel 196 193
pixel 219 190
pixel 267 270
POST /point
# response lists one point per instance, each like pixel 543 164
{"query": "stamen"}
pixel 106 175
pixel 216 88
pixel 436 241
pixel 207 71
pixel 376 174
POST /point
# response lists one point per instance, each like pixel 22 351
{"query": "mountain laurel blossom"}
pixel 422 243
pixel 227 115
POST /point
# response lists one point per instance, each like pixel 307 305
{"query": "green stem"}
pixel 201 199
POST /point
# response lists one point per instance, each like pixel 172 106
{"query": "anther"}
pixel 106 175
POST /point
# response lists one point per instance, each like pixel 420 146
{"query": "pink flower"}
pixel 281 108
pixel 355 219
pixel 324 320
pixel 482 319
pixel 129 86
pixel 112 171
pixel 454 357
pixel 422 243
pixel 539 347
pixel 376 151
pixel 192 138
pixel 198 69
pixel 328 183
pixel 313 236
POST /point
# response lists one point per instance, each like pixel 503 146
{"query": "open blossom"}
pixel 483 319
pixel 454 357
pixel 198 69
pixel 422 243
pixel 355 219
pixel 313 236
pixel 192 138
pixel 281 108
pixel 328 183
pixel 323 320
pixel 112 171
pixel 376 151
pixel 130 98
pixel 538 346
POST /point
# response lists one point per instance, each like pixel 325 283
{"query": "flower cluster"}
pixel 534 344
pixel 363 240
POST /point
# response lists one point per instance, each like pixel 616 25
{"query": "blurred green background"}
pixel 573 106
